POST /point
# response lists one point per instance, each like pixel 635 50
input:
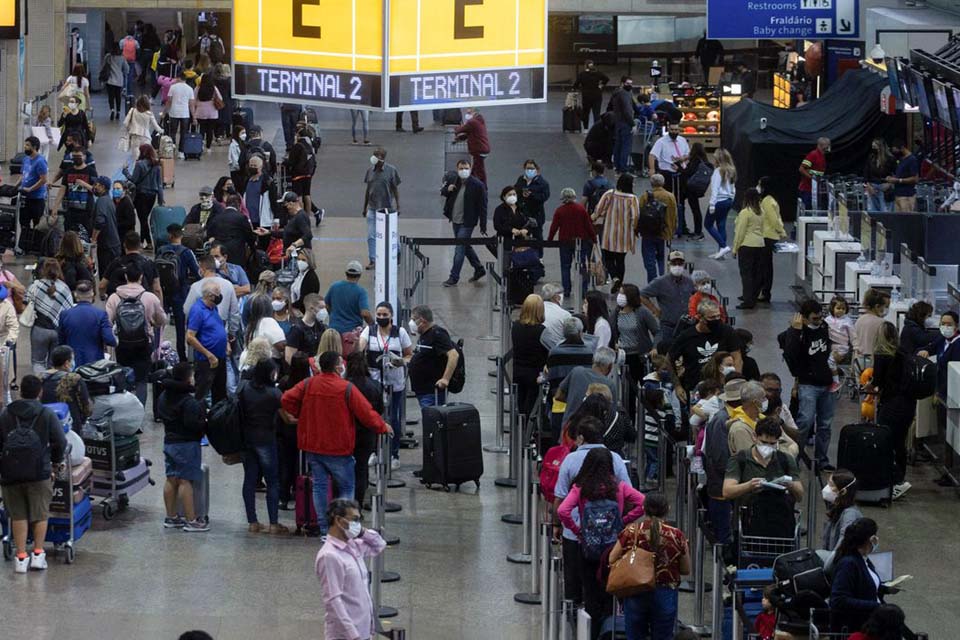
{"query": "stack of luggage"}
pixel 70 508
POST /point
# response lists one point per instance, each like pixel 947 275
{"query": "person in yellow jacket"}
pixel 773 232
pixel 748 247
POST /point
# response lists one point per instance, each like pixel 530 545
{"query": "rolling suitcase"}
pixel 192 144
pixel 100 451
pixel 168 168
pixel 160 219
pixel 572 119
pixel 867 451
pixel 201 496
pixel 520 284
pixel 452 451
pixel 130 481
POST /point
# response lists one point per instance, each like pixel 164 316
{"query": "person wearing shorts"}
pixel 27 478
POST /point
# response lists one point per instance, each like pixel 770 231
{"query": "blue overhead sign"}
pixel 782 19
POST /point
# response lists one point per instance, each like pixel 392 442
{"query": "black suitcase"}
pixel 31 241
pixel 866 450
pixel 127 452
pixel 452 450
pixel 572 120
pixel 520 283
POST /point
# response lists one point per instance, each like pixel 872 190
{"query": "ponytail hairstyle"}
pixel 854 537
pixel 656 506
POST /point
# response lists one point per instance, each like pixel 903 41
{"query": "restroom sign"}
pixel 435 53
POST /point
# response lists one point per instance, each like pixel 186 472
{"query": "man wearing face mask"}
pixel 671 291
pixel 742 427
pixel 296 233
pixel 32 183
pixel 814 165
pixel 204 211
pixel 233 230
pixel 228 307
pixel 750 468
pixel 260 194
pixel 904 178
pixel 465 206
pixel 305 333
pixel 434 358
pixel 230 271
pixel 188 270
pixel 76 194
pixel 806 350
pixel 621 104
pixel 474 131
pixel 105 238
pixel 207 336
pixel 554 315
pixel 382 192
pixel 695 346
pixel 668 157
pixel 257 146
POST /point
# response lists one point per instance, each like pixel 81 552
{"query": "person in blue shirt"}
pixel 946 347
pixel 904 178
pixel 230 271
pixel 347 301
pixel 207 336
pixel 85 327
pixel 32 183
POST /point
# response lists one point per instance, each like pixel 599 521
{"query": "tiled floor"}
pixel 132 578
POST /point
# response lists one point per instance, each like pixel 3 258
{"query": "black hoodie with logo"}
pixel 806 352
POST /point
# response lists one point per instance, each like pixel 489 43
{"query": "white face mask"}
pixel 302 265
pixel 353 530
pixel 412 328
pixel 763 405
pixel 511 200
pixel 218 262
pixel 278 305
pixel 323 316
pixel 73 106
pixel 242 136
pixel 467 116
pixel 728 370
pixel 829 495
pixel 704 288
pixel 463 173
pixel 206 202
pixel 766 450
pixel 621 300
pixel 374 160
pixel 947 331
pixel 676 270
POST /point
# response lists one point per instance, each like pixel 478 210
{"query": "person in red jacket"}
pixel 327 407
pixel 571 221
pixel 474 131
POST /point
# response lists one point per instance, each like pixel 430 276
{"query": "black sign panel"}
pixel 308 85
pixel 466 87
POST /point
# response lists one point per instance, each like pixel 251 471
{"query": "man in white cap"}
pixel 347 301
pixel 672 291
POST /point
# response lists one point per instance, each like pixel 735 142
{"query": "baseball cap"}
pixel 288 196
pixel 675 255
pixel 731 390
pixel 104 182
pixel 354 268
pixel 206 190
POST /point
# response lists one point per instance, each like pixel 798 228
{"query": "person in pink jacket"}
pixel 343 574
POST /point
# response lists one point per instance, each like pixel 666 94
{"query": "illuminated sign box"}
pixel 9 19
pixel 441 52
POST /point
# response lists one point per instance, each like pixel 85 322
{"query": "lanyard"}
pixel 384 344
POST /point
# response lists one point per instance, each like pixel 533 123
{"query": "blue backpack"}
pixel 600 524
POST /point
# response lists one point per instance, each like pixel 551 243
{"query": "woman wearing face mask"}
pixel 617 213
pixel 748 248
pixel 705 291
pixel 508 221
pixel 389 350
pixel 343 574
pixel 533 192
pixel 77 87
pixel 280 303
pixel 260 403
pixel 148 179
pixel 897 409
pixel 636 329
pixel 262 324
pixel 920 327
pixel 840 496
pixel 717 368
pixel 856 588
pixel 74 120
pixel 597 324
pixel 946 347
pixel 307 280
pixel 126 211
pixel 73 261
pixel 238 142
pixel 880 164
pixel 773 232
pixel 722 192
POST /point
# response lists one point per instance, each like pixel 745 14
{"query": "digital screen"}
pixel 893 78
pixel 920 91
pixel 595 24
pixel 307 85
pixel 9 19
pixel 943 105
pixel 903 76
pixel 467 87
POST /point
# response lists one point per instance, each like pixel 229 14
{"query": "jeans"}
pixel 288 122
pixel 817 405
pixel 397 398
pixel 716 222
pixel 364 116
pixel 694 203
pixel 807 199
pixel 257 460
pixel 566 262
pixel 289 460
pixel 180 325
pixel 876 201
pixel 462 232
pixel 430 400
pixel 651 615
pixel 181 125
pixel 653 251
pixel 719 513
pixel 322 467
pixel 651 457
pixel 372 235
pixel 622 145
pixel 42 343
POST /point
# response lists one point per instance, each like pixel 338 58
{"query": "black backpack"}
pixel 459 377
pixel 132 322
pixel 653 217
pixel 699 181
pixel 921 378
pixel 22 458
pixel 308 164
pixel 225 425
pixel 169 270
pixel 215 50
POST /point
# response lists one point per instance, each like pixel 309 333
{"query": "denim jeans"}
pixel 42 343
pixel 652 462
pixel 817 405
pixel 716 222
pixel 719 513
pixel 397 399
pixel 364 116
pixel 652 250
pixel 372 235
pixel 876 202
pixel 322 468
pixel 807 199
pixel 651 615
pixel 462 232
pixel 257 460
pixel 622 145
pixel 566 262
pixel 429 399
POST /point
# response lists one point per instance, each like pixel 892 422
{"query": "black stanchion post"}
pixel 812 495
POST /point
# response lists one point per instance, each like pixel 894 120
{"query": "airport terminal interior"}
pixel 771 103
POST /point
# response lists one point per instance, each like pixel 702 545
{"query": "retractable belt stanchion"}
pixel 682 471
pixel 568 616
pixel 528 548
pixel 717 609
pixel 698 626
pixel 492 302
pixel 516 440
pixel 516 453
pixel 812 495
pixel 499 446
pixel 501 285
pixel 379 494
pixel 539 535
pixel 554 595
pixel 578 279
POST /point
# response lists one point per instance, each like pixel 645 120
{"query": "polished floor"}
pixel 132 578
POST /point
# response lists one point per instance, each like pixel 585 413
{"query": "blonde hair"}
pixel 330 341
pixel 258 350
pixel 600 389
pixel 532 310
pixel 724 163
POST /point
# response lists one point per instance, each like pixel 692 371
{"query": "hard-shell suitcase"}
pixel 867 450
pixel 160 219
pixel 572 119
pixel 129 481
pixel 520 283
pixel 168 168
pixel 192 144
pixel 452 452
pixel 58 528
pixel 100 451
pixel 81 473
pixel 201 496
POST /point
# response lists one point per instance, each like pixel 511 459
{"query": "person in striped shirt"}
pixel 617 213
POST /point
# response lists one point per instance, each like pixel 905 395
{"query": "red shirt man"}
pixel 815 164
pixel 474 131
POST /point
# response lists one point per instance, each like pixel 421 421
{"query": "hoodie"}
pixel 47 427
pixel 183 416
pixel 806 352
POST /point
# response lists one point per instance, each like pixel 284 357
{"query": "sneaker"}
pixel 355 141
pixel 394 464
pixel 285 506
pixel 196 526
pixel 834 386
pixel 724 252
pixel 38 561
pixel 826 466
pixel 173 523
pixel 204 442
pixel 900 489
pixel 449 282
pixel 698 237
pixel 477 275
pixel 372 460
pixel 255 527
pixel 714 256
pixel 20 565
pixel 371 265
pixel 180 156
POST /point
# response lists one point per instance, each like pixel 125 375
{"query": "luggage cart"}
pixel 9 218
pixel 760 551
pixel 453 150
pixel 747 587
pixel 115 498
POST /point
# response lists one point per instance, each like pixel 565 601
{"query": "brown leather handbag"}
pixel 634 572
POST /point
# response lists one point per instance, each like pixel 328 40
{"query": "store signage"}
pixel 440 51
pixel 793 19
pixel 9 19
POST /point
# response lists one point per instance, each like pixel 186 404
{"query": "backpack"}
pixel 459 377
pixel 129 49
pixel 699 182
pixel 215 49
pixel 169 270
pixel 921 378
pixel 104 70
pixel 22 458
pixel 225 425
pixel 132 322
pixel 600 524
pixel 550 471
pixel 308 164
pixel 653 217
pixel 600 186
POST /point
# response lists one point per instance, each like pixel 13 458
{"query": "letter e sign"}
pixel 460 30
pixel 301 30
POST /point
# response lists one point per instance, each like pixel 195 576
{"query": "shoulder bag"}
pixel 28 316
pixel 634 572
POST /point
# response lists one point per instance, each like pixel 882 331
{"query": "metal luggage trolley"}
pixel 9 217
pixel 761 551
pixel 115 499
pixel 453 150
pixel 8 356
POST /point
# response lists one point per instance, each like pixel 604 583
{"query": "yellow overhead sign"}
pixel 8 13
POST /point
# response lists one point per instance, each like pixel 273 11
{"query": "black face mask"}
pixel 714 325
pixel 673 135
pixel 217 299
pixel 384 322
pixel 28 151
pixel 251 171
pixel 77 163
